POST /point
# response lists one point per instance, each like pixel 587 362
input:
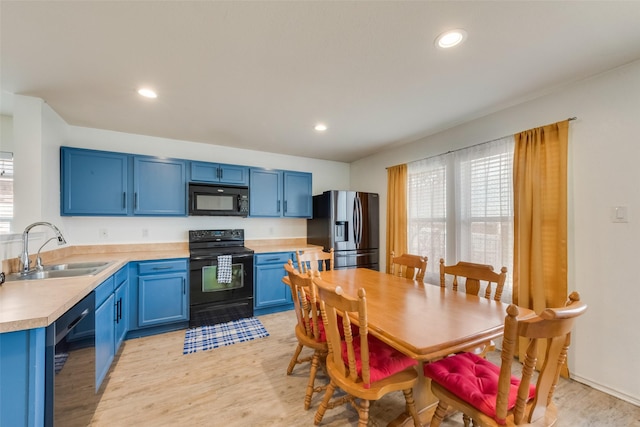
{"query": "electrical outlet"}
pixel 145 232
pixel 104 233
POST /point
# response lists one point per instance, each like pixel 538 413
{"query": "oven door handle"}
pixel 215 258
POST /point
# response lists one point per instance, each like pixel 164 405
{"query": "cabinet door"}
pixel 269 289
pixel 265 193
pixel 23 367
pixel 121 314
pixel 93 182
pixel 297 194
pixel 204 172
pixel 162 298
pixel 234 175
pixel 219 173
pixel 160 187
pixel 105 338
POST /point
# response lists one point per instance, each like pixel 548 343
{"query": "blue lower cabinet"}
pixel 271 294
pixel 111 324
pixel 22 371
pixel 162 293
pixel 121 302
pixel 105 338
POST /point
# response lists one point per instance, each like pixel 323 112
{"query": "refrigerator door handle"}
pixel 357 220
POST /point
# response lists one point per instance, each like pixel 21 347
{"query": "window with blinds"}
pixel 427 209
pixel 6 192
pixel 460 208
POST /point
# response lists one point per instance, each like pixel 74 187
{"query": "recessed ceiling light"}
pixel 320 127
pixel 147 93
pixel 450 38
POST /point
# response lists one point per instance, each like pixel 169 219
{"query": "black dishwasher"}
pixel 70 372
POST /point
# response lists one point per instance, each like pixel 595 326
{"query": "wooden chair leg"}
pixel 411 407
pixel 325 403
pixel 363 413
pixel 312 380
pixel 294 359
pixel 466 420
pixel 439 414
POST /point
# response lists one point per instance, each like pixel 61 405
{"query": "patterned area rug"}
pixel 214 336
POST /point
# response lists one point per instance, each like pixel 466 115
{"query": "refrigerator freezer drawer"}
pixel 357 259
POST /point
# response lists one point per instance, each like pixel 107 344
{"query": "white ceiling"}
pixel 259 75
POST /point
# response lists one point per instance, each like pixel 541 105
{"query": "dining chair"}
pixel 309 328
pixel 410 266
pixel 362 366
pixel 491 395
pixel 314 260
pixel 473 275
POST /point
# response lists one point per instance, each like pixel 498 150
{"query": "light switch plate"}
pixel 619 214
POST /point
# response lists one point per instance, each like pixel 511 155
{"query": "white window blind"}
pixel 6 192
pixel 460 208
pixel 427 209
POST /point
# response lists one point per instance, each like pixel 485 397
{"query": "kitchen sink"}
pixel 76 265
pixel 62 270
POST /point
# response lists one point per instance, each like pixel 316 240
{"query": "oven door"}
pixel 214 300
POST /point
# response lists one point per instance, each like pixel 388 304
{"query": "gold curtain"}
pixel 396 211
pixel 540 218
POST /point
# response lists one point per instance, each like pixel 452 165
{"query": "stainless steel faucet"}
pixel 24 257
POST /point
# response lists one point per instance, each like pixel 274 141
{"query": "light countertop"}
pixel 32 304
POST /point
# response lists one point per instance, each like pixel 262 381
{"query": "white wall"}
pixel 39 133
pixel 603 173
pixel 326 175
pixel 6 133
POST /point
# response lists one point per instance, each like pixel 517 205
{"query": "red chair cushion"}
pixel 323 333
pixel 322 337
pixel 474 380
pixel 384 360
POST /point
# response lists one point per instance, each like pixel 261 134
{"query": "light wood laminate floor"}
pixel 245 384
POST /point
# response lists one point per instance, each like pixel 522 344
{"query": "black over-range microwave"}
pixel 211 200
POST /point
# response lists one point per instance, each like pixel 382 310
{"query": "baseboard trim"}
pixel 604 389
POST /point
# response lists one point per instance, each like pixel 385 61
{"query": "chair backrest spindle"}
pixel 409 266
pixel 314 260
pixel 474 274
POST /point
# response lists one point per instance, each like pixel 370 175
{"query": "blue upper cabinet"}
pixel 100 183
pixel 93 182
pixel 219 173
pixel 160 186
pixel 297 195
pixel 274 193
pixel 265 193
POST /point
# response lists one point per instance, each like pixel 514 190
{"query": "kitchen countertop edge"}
pixel 33 304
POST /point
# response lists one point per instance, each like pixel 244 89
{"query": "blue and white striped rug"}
pixel 214 336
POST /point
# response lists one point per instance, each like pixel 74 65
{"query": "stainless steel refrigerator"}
pixel 348 222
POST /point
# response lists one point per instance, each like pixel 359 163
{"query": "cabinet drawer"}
pixel 121 276
pixel 273 258
pixel 158 267
pixel 104 290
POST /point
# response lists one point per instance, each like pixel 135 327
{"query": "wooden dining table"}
pixel 423 321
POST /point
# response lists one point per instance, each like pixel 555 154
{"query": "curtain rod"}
pixel 570 119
